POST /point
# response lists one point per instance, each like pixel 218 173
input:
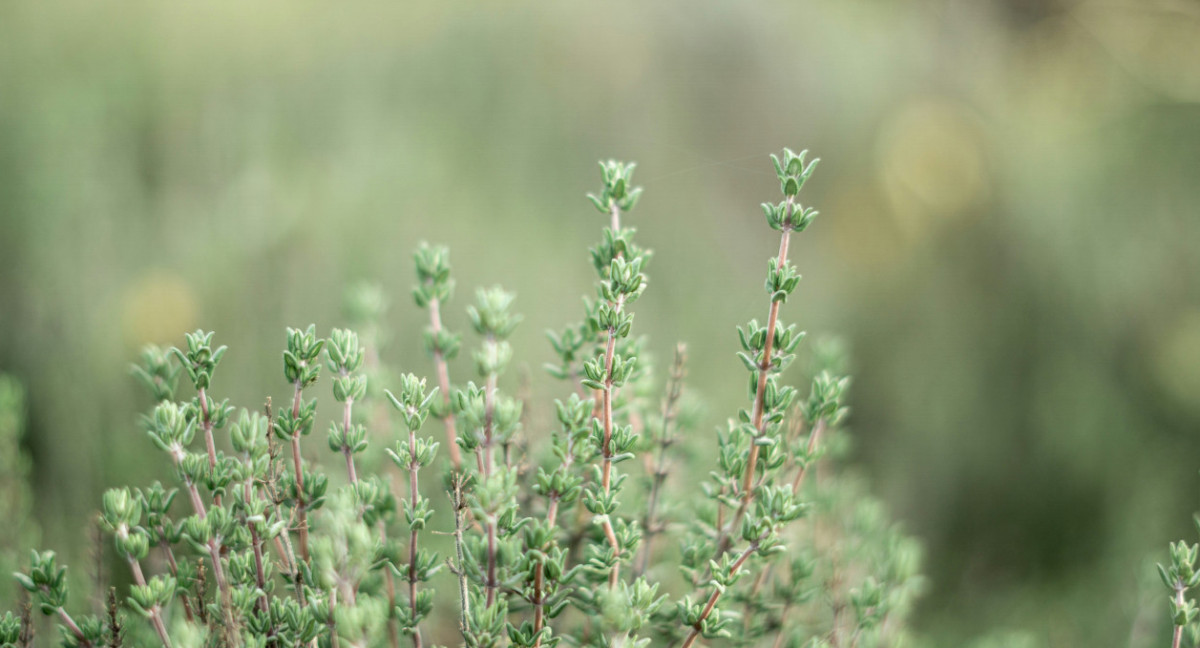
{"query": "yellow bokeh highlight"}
pixel 932 163
pixel 157 309
pixel 1176 360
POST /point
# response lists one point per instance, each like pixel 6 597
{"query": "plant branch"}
pixel 658 472
pixel 443 375
pixel 301 505
pixel 716 593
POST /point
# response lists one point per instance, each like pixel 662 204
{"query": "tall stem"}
pixel 760 393
pixel 256 544
pixel 390 583
pixel 214 550
pixel 607 419
pixel 539 578
pixel 413 466
pixel 443 375
pixel 659 469
pixel 301 505
pixel 464 600
pixel 606 448
pixel 489 463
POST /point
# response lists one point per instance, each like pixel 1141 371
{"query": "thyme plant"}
pixel 505 534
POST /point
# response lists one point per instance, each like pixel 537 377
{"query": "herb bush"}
pixel 489 531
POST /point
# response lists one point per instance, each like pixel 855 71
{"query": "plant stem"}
pixel 74 628
pixel 606 448
pixel 716 593
pixel 155 613
pixel 763 371
pixel 283 541
pixel 539 578
pixel 174 566
pixel 207 425
pixel 779 638
pixel 390 582
pixel 347 410
pixel 334 640
pixel 813 439
pixel 659 470
pixel 489 400
pixel 302 511
pixel 1178 637
pixel 464 600
pixel 443 374
pixel 760 394
pixel 489 464
pixel 413 466
pixel 214 547
pixel 256 545
pixel 210 445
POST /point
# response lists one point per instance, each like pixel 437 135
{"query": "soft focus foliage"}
pixel 1013 259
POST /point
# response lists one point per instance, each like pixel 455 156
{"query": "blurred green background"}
pixel 1009 239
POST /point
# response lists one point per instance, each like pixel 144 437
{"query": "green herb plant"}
pixel 505 534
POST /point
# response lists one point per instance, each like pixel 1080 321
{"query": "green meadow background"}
pixel 1009 239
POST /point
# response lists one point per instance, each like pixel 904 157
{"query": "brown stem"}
pixel 155 613
pixel 301 509
pixel 334 640
pixel 231 633
pixel 256 544
pixel 207 425
pixel 659 471
pixel 763 371
pixel 813 439
pixel 489 405
pixel 71 625
pixel 390 582
pixel 1178 637
pixel 606 405
pixel 491 584
pixel 464 601
pixel 539 578
pixel 783 626
pixel 174 566
pixel 283 541
pixel 194 495
pixel 606 448
pixel 716 593
pixel 443 375
pixel 760 394
pixel 214 548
